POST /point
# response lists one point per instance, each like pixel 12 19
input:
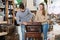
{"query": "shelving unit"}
pixel 8 7
pixel 9 2
pixel 11 30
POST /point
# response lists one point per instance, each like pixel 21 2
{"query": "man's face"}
pixel 22 10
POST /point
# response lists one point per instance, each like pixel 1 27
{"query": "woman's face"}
pixel 41 7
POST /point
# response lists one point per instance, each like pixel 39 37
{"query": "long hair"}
pixel 43 13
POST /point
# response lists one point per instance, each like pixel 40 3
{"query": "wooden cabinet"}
pixel 33 30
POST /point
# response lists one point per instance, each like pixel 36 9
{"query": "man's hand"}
pixel 25 23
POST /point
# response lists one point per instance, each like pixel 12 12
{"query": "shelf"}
pixel 2 6
pixel 3 22
pixel 3 33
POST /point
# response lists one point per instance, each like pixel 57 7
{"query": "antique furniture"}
pixel 33 30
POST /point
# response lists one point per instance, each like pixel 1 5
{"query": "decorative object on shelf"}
pixel 45 1
pixel 19 1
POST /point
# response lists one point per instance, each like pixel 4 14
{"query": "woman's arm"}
pixel 36 19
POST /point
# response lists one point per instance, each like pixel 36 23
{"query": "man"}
pixel 23 16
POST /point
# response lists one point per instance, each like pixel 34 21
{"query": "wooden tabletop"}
pixel 33 24
pixel 3 33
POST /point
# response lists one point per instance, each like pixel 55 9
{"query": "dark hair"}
pixel 43 8
pixel 21 5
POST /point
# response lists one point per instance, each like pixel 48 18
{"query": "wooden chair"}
pixel 33 30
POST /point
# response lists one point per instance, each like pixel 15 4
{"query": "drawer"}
pixel 32 34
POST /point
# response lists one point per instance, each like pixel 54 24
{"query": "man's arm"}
pixel 18 18
pixel 30 16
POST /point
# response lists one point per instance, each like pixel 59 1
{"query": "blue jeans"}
pixel 23 32
pixel 45 30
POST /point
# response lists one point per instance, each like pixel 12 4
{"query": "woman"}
pixel 41 16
